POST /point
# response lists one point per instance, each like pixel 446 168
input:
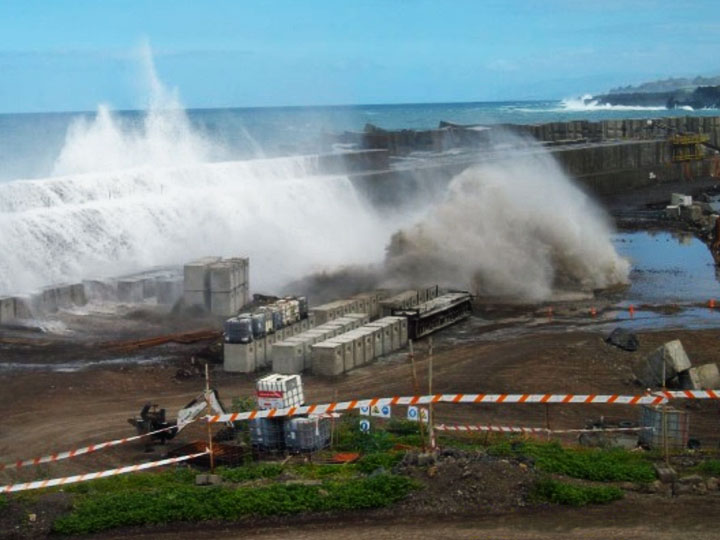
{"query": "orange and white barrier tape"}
pixel 78 451
pixel 39 484
pixel 500 429
pixel 515 429
pixel 615 399
pixel 689 394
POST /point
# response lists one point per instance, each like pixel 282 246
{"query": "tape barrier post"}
pixel 78 451
pixel 40 484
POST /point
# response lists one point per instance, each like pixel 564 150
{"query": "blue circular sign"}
pixel 365 426
pixel 412 413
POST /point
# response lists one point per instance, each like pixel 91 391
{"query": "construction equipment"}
pixel 153 419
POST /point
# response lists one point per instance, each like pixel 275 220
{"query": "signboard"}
pixel 365 426
pixel 364 411
pixel 413 413
pixel 381 411
pixel 270 399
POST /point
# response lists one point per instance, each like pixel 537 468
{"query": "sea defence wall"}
pixel 612 156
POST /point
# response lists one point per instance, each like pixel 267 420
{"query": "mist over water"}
pixel 516 227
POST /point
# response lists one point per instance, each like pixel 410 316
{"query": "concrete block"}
pixel 270 340
pixel 689 379
pixel 672 211
pixel 222 277
pixel 196 298
pixel 221 303
pixel 288 357
pixel 377 337
pixel 386 334
pixel 403 330
pixel 261 359
pixel 709 376
pixel 195 274
pixel 328 358
pixel 304 325
pixel 98 289
pixel 362 317
pixel 681 200
pixel 7 309
pixel 77 294
pixel 358 341
pixel 23 307
pixel 131 290
pixel 671 355
pixel 368 337
pixel 239 357
pixel 312 322
pixel 168 290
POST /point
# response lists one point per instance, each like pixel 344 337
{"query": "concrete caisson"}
pixel 328 358
pixel 239 357
pixel 288 357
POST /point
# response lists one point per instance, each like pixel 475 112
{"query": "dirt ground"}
pixel 45 412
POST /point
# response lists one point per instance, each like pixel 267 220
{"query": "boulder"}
pixel 669 359
pixel 709 376
pixel 623 339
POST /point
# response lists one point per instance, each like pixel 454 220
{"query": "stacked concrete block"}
pixel 196 281
pixel 219 286
pixel 239 357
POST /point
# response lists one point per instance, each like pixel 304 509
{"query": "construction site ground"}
pixel 46 412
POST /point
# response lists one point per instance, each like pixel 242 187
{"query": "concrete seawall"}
pixel 611 156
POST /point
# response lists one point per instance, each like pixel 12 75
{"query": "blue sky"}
pixel 72 54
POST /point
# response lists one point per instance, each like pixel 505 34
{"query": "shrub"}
pixel 573 495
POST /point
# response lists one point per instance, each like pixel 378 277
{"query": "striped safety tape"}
pixel 78 452
pixel 515 429
pixel 689 394
pixel 646 399
pixel 502 429
pixel 39 484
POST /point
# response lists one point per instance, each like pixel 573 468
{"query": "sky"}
pixel 70 55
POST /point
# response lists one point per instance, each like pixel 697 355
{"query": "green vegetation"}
pixel 189 503
pixel 711 467
pixel 3 502
pixel 250 472
pixel 594 464
pixel 549 490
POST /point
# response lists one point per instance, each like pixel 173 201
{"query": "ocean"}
pixel 102 193
pixel 31 143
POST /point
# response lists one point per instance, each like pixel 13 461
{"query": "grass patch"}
pixel 189 503
pixel 249 472
pixel 711 467
pixel 594 464
pixel 552 491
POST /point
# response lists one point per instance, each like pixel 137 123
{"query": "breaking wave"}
pixel 517 227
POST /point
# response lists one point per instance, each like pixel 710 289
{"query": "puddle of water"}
pixel 668 268
pixel 80 365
